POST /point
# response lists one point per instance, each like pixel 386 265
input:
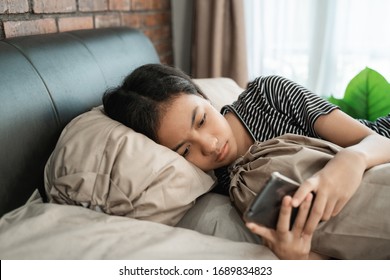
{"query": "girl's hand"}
pixel 286 243
pixel 334 185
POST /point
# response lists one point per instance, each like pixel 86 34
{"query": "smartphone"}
pixel 265 207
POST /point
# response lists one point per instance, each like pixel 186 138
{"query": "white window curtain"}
pixel 321 44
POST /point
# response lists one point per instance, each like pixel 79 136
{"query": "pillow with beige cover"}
pixel 103 165
pixel 79 173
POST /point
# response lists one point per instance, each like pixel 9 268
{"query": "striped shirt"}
pixel 272 106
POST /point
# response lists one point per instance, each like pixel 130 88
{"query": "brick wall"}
pixel 153 17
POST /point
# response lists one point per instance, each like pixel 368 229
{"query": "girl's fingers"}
pixel 283 224
pixel 267 235
pixel 316 214
pixel 338 207
pixel 305 188
pixel 303 214
pixel 329 209
pixel 264 232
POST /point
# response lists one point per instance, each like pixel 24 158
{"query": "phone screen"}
pixel 265 207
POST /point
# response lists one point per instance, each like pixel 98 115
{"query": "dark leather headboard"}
pixel 47 80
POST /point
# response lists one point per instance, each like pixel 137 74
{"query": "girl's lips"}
pixel 224 151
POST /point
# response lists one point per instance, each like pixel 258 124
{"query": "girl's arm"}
pixel 339 179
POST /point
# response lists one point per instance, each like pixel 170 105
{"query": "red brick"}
pixel 164 47
pixel 131 20
pixel 151 16
pixel 139 5
pixel 20 28
pixel 75 23
pixel 107 21
pixel 142 5
pixel 150 5
pixel 50 6
pixel 157 19
pixel 13 6
pixel 166 59
pixel 158 34
pixel 119 5
pixel 93 5
pixel 161 4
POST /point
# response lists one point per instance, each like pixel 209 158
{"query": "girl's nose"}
pixel 209 144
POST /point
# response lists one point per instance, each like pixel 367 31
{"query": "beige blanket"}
pixel 360 231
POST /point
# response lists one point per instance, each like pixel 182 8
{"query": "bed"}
pixel 75 184
pixel 48 81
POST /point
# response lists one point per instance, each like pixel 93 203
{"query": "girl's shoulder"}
pixel 266 91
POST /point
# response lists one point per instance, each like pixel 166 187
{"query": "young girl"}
pixel 164 104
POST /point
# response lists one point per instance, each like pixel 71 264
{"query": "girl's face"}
pixel 193 128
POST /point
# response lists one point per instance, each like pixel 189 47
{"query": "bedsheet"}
pixel 49 231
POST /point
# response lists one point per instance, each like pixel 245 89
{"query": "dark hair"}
pixel 145 94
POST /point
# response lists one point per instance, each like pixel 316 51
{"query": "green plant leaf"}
pixel 367 96
pixel 345 107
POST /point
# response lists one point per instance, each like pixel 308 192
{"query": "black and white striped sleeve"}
pixel 380 125
pixel 298 103
pixel 274 105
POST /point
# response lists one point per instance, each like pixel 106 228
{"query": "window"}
pixel 319 44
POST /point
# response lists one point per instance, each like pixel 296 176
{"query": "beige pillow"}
pixel 221 91
pixel 103 165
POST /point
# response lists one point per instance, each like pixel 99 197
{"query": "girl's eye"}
pixel 186 151
pixel 202 121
